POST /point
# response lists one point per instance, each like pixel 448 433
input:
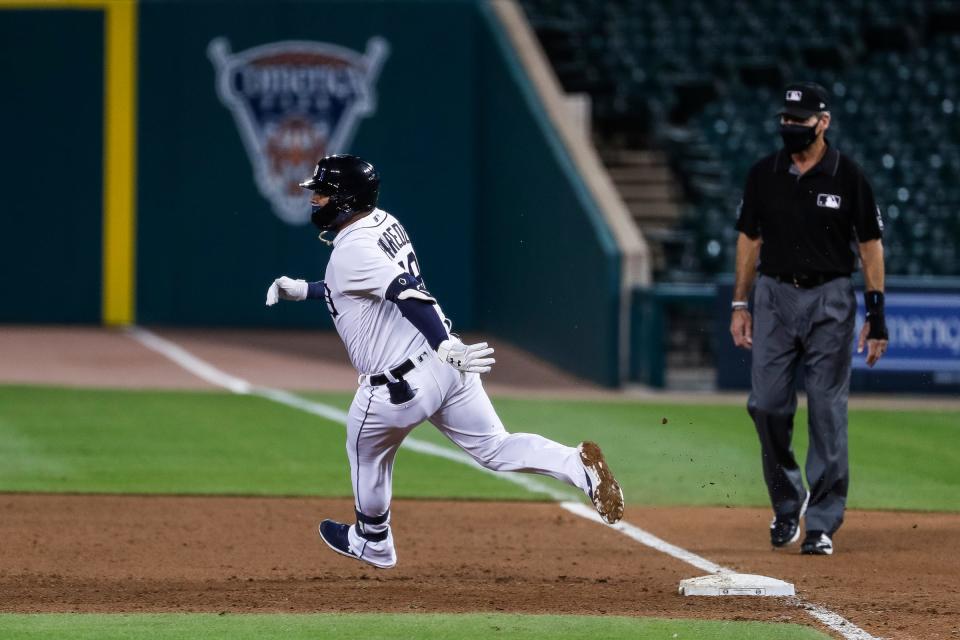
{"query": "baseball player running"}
pixel 411 367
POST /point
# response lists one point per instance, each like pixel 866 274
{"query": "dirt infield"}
pixel 135 553
pixel 288 359
pixel 895 574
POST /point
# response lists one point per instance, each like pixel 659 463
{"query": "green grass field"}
pixel 75 440
pixel 377 626
pixel 203 442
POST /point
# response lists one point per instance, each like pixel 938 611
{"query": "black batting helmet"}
pixel 352 184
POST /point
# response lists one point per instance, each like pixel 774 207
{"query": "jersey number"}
pixel 412 267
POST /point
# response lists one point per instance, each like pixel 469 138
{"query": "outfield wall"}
pixel 230 103
pixel 51 209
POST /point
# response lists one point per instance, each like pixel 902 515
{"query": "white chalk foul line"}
pixel 834 621
pixel 648 539
pixel 196 366
pixel 215 376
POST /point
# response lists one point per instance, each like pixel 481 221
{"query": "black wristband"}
pixel 873 300
pixel 316 290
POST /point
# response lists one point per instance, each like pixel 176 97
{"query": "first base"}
pixel 735 584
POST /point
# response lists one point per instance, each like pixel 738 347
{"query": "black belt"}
pixel 381 379
pixel 401 370
pixel 806 280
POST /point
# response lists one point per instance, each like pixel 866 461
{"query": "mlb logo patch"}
pixel 828 200
pixel 794 96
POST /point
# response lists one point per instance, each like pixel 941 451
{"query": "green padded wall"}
pixel 51 107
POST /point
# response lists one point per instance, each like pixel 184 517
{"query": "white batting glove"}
pixel 284 288
pixel 467 358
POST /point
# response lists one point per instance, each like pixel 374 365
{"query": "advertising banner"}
pixel 924 334
pixel 923 319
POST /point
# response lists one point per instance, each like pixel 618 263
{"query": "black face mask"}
pixel 320 217
pixel 797 137
pixel 330 216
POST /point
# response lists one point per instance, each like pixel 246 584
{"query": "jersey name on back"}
pixel 393 239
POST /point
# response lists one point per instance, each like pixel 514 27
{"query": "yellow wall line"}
pixel 119 162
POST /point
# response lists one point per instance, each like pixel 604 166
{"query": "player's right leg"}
pixel 468 418
pixel 375 430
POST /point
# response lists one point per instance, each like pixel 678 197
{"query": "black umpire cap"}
pixel 804 99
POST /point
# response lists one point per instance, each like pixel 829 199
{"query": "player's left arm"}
pixel 874 331
pixel 418 307
pixel 868 225
pixel 421 310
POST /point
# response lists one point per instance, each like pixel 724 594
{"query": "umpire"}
pixel 807 211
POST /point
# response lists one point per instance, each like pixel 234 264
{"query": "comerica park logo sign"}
pixel 295 102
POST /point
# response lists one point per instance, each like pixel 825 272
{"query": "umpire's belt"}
pixel 806 280
pixel 397 372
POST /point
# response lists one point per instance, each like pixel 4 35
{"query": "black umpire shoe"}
pixel 817 543
pixel 785 530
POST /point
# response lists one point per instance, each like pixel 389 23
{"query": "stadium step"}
pixel 652 194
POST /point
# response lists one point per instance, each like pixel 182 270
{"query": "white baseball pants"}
pixel 457 406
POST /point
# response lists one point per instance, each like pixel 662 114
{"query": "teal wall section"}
pixel 549 266
pixel 51 107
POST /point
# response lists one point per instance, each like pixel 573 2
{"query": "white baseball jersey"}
pixel 367 256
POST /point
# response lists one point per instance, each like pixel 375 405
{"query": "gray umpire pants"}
pixel 813 328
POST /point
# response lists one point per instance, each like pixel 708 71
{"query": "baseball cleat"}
pixel 785 530
pixel 817 543
pixel 337 536
pixel 605 492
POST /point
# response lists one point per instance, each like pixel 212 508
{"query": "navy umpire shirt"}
pixel 809 224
